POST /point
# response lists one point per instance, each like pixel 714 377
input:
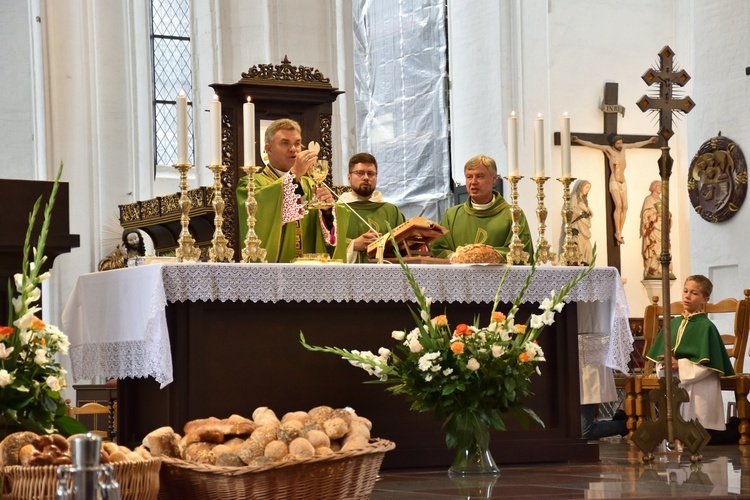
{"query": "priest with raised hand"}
pixel 484 218
pixel 288 230
pixel 363 212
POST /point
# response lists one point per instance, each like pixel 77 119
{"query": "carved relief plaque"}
pixel 717 179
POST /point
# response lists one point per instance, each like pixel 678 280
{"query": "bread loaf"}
pixel 476 253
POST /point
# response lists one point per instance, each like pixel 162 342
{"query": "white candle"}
pixel 182 129
pixel 539 146
pixel 565 143
pixel 248 125
pixel 215 112
pixel 512 145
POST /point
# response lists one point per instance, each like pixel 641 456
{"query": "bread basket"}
pixel 350 474
pixel 138 481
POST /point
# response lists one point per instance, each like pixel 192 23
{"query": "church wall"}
pixel 17 140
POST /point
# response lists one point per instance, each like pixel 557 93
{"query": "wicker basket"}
pixel 340 475
pixel 138 481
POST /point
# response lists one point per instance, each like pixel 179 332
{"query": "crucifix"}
pixel 616 203
pixel 670 424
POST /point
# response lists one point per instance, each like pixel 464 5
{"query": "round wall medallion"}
pixel 717 179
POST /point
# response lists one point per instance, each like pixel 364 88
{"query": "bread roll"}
pixel 476 253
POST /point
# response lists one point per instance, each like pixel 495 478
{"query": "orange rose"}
pixel 498 317
pixel 523 357
pixel 457 347
pixel 462 329
pixel 520 328
pixel 441 320
pixel 37 324
pixel 6 331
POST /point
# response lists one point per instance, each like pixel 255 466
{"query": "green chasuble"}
pixel 491 226
pixel 378 214
pixel 699 341
pixel 285 241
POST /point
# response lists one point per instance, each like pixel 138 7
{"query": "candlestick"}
pixel 512 145
pixel 248 125
pixel 220 250
pixel 516 254
pixel 252 251
pixel 565 143
pixel 539 146
pixel 182 129
pixel 215 111
pixel 570 255
pixel 186 251
pixel 543 253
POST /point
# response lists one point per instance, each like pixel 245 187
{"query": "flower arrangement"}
pixel 468 376
pixel 30 377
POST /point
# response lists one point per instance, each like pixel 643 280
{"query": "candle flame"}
pixel 216 97
pixel 539 115
pixel 248 99
pixel 565 114
pixel 182 93
pixel 513 114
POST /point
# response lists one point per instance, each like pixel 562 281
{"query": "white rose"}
pixel 5 378
pixel 398 335
pixel 53 383
pixel 472 364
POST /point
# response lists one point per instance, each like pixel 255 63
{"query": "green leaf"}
pixel 67 426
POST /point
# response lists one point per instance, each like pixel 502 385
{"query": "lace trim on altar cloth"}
pixel 376 283
pixel 134 359
pixel 291 203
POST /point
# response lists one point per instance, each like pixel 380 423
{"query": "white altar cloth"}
pixel 117 326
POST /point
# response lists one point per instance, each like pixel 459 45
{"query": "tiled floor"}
pixel 620 473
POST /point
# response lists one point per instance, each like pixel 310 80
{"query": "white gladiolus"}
pixel 398 335
pixel 5 378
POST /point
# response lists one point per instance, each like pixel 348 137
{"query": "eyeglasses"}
pixel 364 173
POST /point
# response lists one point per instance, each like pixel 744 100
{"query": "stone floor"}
pixel 620 473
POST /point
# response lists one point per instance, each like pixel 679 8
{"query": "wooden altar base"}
pixel 233 357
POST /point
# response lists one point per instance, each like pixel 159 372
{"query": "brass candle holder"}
pixel 186 251
pixel 252 252
pixel 220 250
pixel 570 255
pixel 544 254
pixel 516 254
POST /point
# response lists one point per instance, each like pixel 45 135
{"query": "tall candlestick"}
pixel 539 146
pixel 182 129
pixel 512 145
pixel 215 111
pixel 248 125
pixel 565 143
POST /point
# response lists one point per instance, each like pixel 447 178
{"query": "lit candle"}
pixel 182 129
pixel 539 146
pixel 248 125
pixel 565 143
pixel 215 111
pixel 512 145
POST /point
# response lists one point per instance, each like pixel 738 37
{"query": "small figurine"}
pixel 132 246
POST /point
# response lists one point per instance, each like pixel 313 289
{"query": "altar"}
pixel 197 340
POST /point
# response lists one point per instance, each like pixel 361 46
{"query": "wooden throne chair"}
pixel 638 386
pixel 278 91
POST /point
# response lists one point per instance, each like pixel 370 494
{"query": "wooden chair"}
pixel 96 411
pixel 637 387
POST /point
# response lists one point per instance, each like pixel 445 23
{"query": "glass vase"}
pixel 473 459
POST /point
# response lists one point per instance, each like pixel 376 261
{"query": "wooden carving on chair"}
pixel 283 90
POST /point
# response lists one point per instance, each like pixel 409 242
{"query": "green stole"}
pixel 700 342
pixel 378 214
pixel 490 226
pixel 284 242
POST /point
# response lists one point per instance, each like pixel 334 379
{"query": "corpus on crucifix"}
pixel 615 153
pixel 616 205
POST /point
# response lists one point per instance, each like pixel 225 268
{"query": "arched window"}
pixel 172 71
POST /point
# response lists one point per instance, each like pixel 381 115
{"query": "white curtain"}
pixel 400 65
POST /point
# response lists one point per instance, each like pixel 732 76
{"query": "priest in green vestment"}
pixel 484 217
pixel 286 229
pixel 699 358
pixel 363 212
